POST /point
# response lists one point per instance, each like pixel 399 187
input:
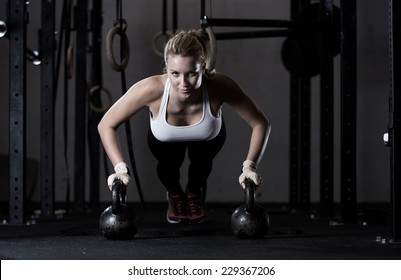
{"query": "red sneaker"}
pixel 177 209
pixel 196 208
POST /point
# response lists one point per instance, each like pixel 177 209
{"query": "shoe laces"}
pixel 194 203
pixel 178 204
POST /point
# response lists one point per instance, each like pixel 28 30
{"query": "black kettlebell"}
pixel 250 221
pixel 118 220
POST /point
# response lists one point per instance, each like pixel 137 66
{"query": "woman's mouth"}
pixel 185 90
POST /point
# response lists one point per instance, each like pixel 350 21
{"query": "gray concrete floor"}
pixel 291 236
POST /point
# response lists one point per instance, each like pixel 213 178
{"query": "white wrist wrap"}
pixel 249 164
pixel 121 167
pixel 122 174
pixel 249 172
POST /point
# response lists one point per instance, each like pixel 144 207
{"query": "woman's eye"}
pixel 175 74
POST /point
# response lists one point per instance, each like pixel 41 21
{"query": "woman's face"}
pixel 185 74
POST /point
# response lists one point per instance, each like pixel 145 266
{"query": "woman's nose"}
pixel 184 79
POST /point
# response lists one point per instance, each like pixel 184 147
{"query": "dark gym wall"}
pixel 256 65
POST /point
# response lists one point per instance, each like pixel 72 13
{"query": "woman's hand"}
pixel 122 173
pixel 249 172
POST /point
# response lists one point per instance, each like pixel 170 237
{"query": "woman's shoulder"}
pixel 152 86
pixel 221 79
pixel 225 89
pixel 221 82
pixel 146 91
pixel 153 83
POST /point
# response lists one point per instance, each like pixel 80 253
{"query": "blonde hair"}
pixel 189 43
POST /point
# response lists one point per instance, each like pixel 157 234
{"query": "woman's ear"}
pixel 203 68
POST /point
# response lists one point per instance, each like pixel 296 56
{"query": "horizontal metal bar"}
pixel 251 34
pixel 249 22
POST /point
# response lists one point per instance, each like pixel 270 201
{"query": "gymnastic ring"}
pixel 109 48
pixel 109 97
pixel 70 62
pixel 158 35
pixel 212 48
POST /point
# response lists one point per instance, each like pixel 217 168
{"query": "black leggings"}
pixel 170 156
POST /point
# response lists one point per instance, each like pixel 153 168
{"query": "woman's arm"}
pixel 252 114
pixel 140 95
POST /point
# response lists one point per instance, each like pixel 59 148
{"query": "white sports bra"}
pixel 206 129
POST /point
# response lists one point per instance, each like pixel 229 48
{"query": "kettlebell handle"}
pixel 118 191
pixel 249 195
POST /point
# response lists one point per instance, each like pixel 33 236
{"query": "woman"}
pixel 185 115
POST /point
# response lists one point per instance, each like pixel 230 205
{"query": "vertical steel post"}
pixel 348 111
pixel 80 105
pixel 17 17
pixel 294 128
pixel 394 118
pixel 203 9
pixel 175 15
pixel 94 117
pixel 300 94
pixel 326 111
pixel 47 48
pixel 304 140
pixel 294 136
